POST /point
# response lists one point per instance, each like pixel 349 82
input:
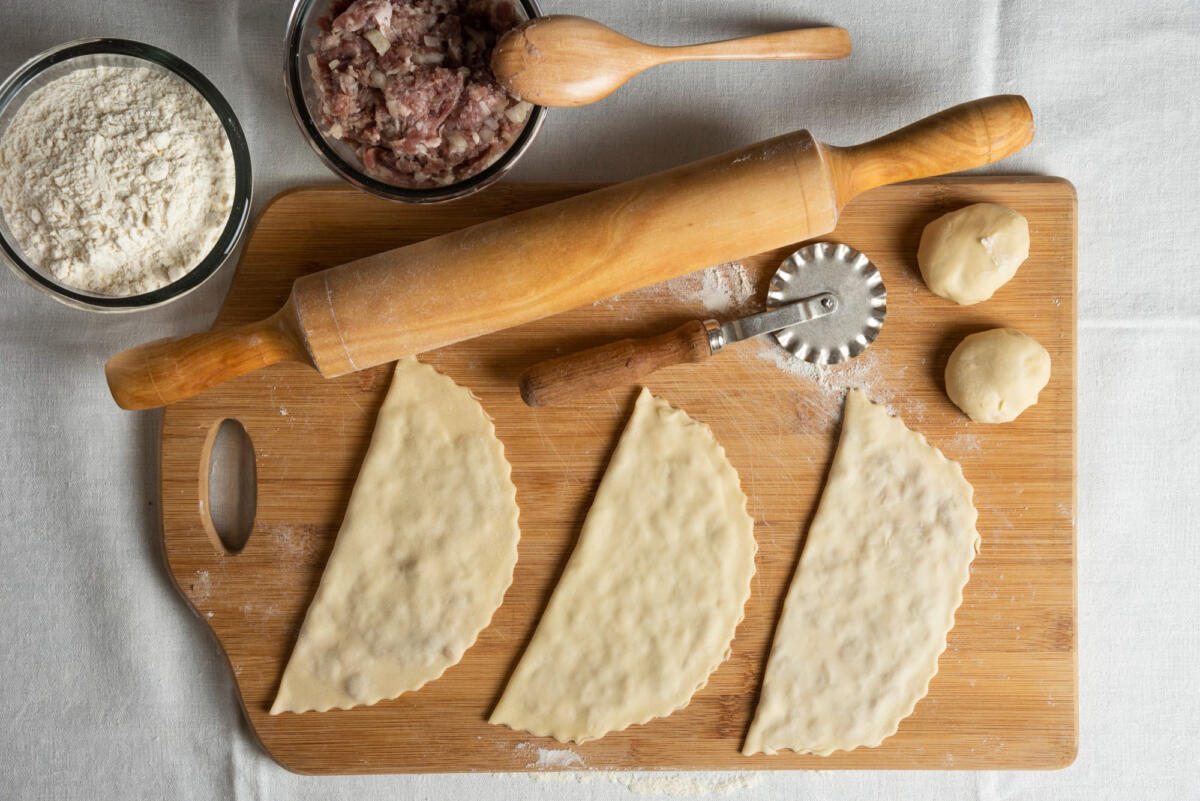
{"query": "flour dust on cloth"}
pixel 647 606
pixel 874 595
pixel 423 558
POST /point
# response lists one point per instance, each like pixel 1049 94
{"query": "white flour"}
pixel 550 757
pixel 679 785
pixel 721 289
pixel 831 382
pixel 689 785
pixel 116 180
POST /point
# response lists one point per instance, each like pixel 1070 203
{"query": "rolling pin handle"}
pixel 170 370
pixel 613 364
pixel 960 138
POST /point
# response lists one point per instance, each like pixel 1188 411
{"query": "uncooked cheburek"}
pixel 874 595
pixel 424 556
pixel 648 603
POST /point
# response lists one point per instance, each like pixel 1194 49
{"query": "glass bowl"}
pixel 340 157
pixel 59 61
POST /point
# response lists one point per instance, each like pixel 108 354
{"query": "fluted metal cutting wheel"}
pixel 862 302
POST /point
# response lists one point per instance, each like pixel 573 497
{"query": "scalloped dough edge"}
pixel 568 739
pixel 510 497
pixel 964 579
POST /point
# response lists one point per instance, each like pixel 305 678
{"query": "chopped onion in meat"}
pixel 519 112
pixel 377 40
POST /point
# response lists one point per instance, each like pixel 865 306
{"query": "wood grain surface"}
pixel 1006 692
pixel 613 364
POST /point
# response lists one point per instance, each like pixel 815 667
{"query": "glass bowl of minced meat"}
pixel 125 177
pixel 398 98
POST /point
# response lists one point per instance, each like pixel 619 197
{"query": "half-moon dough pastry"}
pixel 648 603
pixel 995 375
pixel 874 595
pixel 424 556
pixel 968 254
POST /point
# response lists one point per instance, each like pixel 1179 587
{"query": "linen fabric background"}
pixel 112 688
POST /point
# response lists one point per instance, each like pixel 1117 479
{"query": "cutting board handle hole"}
pixel 229 486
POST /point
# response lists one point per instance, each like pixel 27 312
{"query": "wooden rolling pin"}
pixel 562 255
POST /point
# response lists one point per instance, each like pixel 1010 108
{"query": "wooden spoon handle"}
pixel 611 365
pixel 806 44
pixel 960 138
pixel 170 370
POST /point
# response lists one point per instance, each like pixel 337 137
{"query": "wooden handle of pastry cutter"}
pixel 556 257
pixel 613 364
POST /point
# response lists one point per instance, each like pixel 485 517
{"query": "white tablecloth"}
pixel 111 688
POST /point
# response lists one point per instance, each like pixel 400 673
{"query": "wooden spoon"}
pixel 563 60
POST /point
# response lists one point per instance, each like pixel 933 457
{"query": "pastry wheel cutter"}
pixel 825 304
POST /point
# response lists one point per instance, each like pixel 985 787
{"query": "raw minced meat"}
pixel 408 83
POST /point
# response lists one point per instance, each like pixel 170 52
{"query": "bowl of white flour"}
pixel 125 177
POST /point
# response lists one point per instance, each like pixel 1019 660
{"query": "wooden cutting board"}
pixel 1006 693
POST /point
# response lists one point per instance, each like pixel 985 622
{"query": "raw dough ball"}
pixel 968 254
pixel 995 375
